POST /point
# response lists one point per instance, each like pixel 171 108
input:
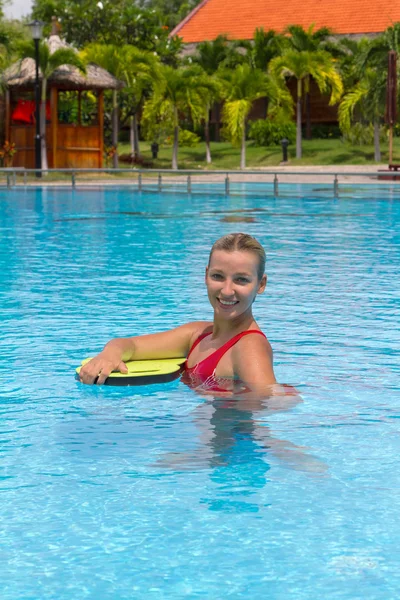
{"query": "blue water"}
pixel 155 492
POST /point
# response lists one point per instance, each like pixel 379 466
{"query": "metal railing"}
pixel 15 176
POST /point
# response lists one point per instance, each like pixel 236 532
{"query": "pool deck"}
pixel 323 174
pixel 307 174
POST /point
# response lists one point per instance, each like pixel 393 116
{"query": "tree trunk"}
pixel 136 135
pixel 43 144
pixel 298 124
pixel 115 128
pixel 243 149
pixel 175 148
pixel 132 136
pixel 207 137
pixel 308 117
pixel 217 136
pixel 308 107
pixel 377 147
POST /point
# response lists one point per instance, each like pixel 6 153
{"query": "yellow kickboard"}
pixel 142 372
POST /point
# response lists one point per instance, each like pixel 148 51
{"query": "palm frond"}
pixel 234 114
pixel 64 56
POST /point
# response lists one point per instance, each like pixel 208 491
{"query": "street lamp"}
pixel 36 31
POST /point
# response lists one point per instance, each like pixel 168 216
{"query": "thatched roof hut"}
pixel 70 143
pixel 22 73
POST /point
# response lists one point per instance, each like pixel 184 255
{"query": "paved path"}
pixel 352 174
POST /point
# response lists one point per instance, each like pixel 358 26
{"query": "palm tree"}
pixel 351 53
pixel 265 46
pixel 5 45
pixel 302 65
pixel 368 96
pixel 138 69
pixel 212 56
pixel 180 93
pixel 311 40
pixel 378 48
pixel 243 87
pixel 48 63
pixel 209 87
pixel 376 56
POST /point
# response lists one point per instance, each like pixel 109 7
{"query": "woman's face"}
pixel 232 282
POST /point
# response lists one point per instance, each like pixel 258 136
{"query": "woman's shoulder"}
pixel 198 328
pixel 255 340
pixel 252 359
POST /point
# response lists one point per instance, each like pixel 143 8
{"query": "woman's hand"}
pixel 99 368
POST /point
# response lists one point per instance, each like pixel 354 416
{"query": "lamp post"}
pixel 284 143
pixel 36 31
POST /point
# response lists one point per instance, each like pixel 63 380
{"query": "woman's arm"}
pixel 253 364
pixel 168 344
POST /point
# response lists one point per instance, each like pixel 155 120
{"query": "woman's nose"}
pixel 227 288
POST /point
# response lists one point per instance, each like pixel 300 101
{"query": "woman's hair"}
pixel 242 242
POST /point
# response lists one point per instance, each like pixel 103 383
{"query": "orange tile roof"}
pixel 239 18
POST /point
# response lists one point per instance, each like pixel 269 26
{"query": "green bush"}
pixel 187 139
pixel 326 131
pixel 266 132
pixel 363 135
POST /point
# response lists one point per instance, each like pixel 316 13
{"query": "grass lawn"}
pixel 315 152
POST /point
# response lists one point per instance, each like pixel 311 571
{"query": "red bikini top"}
pixel 206 367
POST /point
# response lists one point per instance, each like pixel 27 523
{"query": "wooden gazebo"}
pixel 74 112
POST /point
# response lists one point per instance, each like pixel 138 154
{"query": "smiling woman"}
pixel 231 348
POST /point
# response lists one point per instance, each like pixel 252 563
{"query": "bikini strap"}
pixel 214 358
pixel 197 341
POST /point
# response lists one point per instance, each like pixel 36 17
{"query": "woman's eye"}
pixel 216 276
pixel 242 280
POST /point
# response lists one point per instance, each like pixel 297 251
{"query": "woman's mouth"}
pixel 227 303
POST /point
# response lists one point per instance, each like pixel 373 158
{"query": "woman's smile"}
pixel 227 303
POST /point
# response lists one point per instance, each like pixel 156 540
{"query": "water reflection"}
pixel 235 444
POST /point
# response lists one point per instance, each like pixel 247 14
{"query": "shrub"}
pixel 187 139
pixel 326 131
pixel 363 135
pixel 266 132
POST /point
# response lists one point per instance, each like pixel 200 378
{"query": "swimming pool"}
pixel 153 492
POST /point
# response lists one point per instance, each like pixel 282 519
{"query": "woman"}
pixel 232 348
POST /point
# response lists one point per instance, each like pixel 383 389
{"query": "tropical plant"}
pixel 48 63
pixel 302 65
pixel 212 56
pixel 187 139
pixel 243 87
pixel 368 99
pixel 375 53
pixel 11 35
pixel 310 40
pixel 210 89
pixel 375 56
pixel 116 22
pixel 217 54
pixel 269 132
pixel 179 94
pixel 264 46
pixel 7 152
pixel 138 69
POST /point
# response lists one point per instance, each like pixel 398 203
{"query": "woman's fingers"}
pixel 96 371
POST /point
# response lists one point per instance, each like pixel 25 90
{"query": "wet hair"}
pixel 244 243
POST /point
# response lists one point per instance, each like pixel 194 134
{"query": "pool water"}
pixel 156 492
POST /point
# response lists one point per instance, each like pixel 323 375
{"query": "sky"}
pixel 17 8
